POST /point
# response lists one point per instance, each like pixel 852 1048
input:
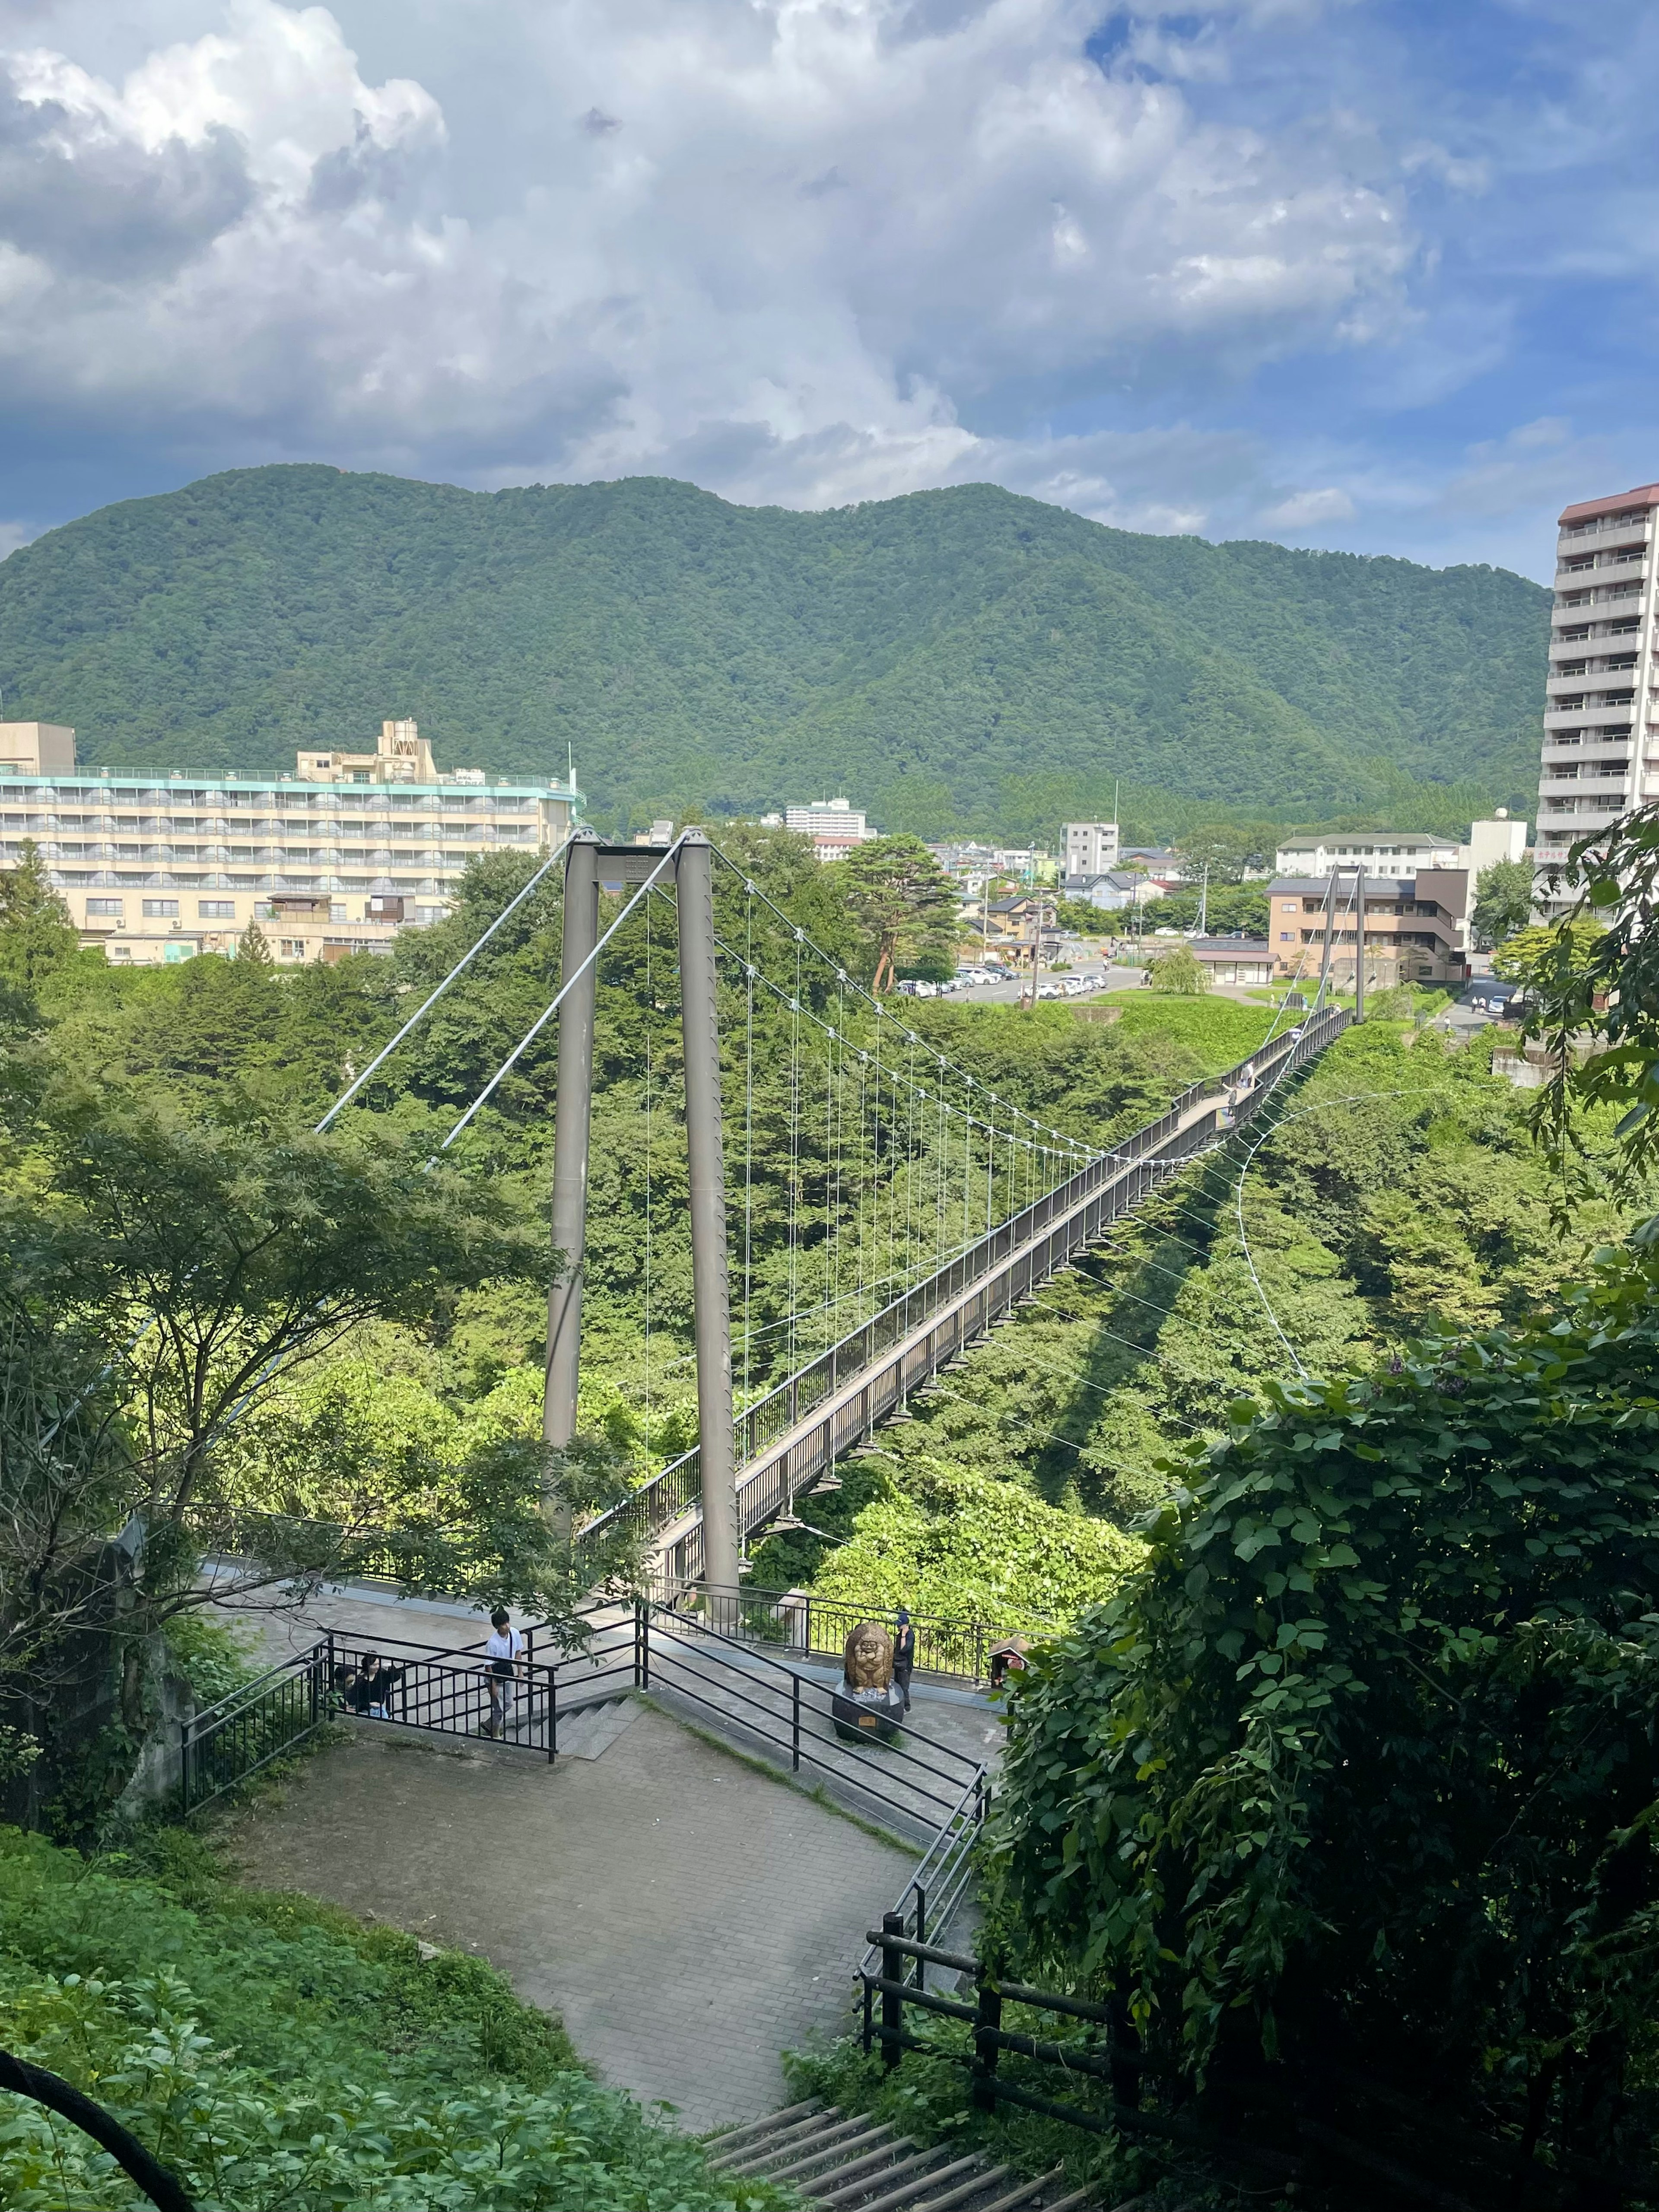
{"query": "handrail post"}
pixel 552 1715
pixel 987 2025
pixel 795 1725
pixel 892 2000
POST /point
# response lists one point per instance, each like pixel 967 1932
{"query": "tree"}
pixel 1227 849
pixel 1178 969
pixel 1359 1772
pixel 1229 907
pixel 1593 981
pixel 37 938
pixel 1503 902
pixel 904 903
pixel 254 946
pixel 160 1279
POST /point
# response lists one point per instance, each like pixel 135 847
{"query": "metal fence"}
pixel 227 1742
pixel 921 1787
pixel 798 1624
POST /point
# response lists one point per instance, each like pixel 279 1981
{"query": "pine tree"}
pixel 37 937
pixel 254 945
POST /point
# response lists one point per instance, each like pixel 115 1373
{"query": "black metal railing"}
pixel 918 1785
pixel 234 1738
pixel 1236 1096
pixel 798 1625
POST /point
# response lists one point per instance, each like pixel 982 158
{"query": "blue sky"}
pixel 1337 272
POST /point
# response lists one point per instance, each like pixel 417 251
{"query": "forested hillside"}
pixel 955 659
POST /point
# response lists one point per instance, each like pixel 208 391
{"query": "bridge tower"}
pixel 588 866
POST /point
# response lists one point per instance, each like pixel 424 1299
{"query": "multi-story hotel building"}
pixel 333 858
pixel 1603 681
pixel 833 826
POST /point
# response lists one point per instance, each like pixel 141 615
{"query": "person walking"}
pixel 904 1654
pixel 502 1651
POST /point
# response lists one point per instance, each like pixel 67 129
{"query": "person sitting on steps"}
pixel 369 1690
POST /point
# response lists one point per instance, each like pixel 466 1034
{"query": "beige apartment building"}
pixel 1416 930
pixel 1603 682
pixel 335 858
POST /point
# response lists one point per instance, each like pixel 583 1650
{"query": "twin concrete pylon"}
pixel 587 865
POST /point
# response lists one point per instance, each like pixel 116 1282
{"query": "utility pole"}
pixel 695 881
pixel 1359 945
pixel 572 1118
pixel 1204 900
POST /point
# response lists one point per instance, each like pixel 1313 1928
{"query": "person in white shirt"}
pixel 502 1651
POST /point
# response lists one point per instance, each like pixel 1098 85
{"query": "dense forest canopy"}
pixel 957 660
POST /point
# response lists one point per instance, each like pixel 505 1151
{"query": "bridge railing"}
pixel 677 1488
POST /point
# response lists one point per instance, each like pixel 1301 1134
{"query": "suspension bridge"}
pixel 861 1207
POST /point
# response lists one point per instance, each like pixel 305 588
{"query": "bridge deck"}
pixel 842 1396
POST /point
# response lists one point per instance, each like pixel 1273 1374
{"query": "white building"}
pixel 334 859
pixel 1602 678
pixel 1090 848
pixel 1396 853
pixel 833 824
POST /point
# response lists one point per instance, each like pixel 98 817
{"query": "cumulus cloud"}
pixel 803 249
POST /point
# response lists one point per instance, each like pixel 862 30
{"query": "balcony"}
pixel 1598 790
pixel 1599 536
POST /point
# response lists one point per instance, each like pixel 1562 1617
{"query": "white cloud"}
pixel 1307 510
pixel 802 244
pixel 14 534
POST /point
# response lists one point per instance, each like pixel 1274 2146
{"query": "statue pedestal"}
pixel 860 1714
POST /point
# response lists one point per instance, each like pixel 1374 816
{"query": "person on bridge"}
pixel 904 1653
pixel 502 1651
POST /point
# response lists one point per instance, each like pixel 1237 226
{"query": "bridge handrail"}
pixel 676 1487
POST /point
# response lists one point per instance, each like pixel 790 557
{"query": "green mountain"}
pixel 961 658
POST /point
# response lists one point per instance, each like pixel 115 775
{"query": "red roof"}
pixel 1586 510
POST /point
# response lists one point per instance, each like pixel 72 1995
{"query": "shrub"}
pixel 1360 1768
pixel 278 2054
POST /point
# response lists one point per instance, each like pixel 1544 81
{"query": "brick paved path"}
pixel 687 1916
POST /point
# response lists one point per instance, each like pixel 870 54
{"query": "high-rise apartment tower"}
pixel 1603 678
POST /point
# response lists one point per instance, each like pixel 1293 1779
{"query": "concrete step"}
pixel 839 2164
pixel 590 1730
pixel 724 2141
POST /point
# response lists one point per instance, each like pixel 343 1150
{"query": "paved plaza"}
pixel 687 1916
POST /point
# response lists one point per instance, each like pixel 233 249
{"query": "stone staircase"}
pixel 852 2163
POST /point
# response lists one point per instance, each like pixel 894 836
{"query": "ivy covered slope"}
pixel 278 2054
pixel 1357 1774
pixel 960 658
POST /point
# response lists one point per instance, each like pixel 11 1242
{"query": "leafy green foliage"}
pixel 1360 1766
pixel 1177 970
pixel 959 659
pixel 38 942
pixel 1503 902
pixel 1226 849
pixel 903 905
pixel 1593 995
pixel 972 1546
pixel 284 2057
pixel 1228 907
